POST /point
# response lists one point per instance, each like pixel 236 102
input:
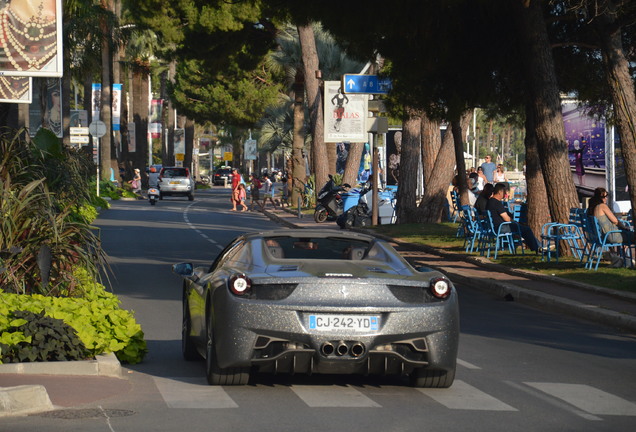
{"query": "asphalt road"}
pixel 519 368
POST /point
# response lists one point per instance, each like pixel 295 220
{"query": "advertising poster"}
pixel 31 38
pixel 179 141
pixel 45 110
pixel 345 114
pixel 249 152
pixel 116 107
pixel 79 118
pixel 15 89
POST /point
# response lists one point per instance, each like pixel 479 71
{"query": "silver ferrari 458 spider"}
pixel 305 301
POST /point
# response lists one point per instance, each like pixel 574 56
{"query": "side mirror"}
pixel 183 269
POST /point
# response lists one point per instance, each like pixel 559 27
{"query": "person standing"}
pixel 268 192
pixel 255 194
pixel 488 167
pixel 500 215
pixel 242 195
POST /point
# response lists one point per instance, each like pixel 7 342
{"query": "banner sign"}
pixel 96 101
pixel 179 141
pixel 132 138
pixel 116 107
pixel 45 110
pixel 156 106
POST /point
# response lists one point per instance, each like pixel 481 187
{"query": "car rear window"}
pixel 317 248
pixel 175 172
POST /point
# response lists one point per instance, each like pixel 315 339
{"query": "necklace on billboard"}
pixel 28 44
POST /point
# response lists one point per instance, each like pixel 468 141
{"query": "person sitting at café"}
pixel 607 219
pixel 500 215
pixel 482 199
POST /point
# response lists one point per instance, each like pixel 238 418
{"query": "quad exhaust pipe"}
pixel 341 348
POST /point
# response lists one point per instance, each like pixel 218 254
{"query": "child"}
pixel 242 195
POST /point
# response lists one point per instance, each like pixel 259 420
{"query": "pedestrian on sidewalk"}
pixel 268 192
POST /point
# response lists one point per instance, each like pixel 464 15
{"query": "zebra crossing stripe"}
pixel 466 397
pixel 333 396
pixel 587 398
pixel 189 392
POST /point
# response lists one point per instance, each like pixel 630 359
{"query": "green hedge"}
pixel 100 323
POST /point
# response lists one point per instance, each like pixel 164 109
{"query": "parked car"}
pixel 310 301
pixel 222 175
pixel 175 181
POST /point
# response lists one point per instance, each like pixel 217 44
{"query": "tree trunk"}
pixel 298 163
pixel 622 91
pixel 458 127
pixel 106 99
pixel 140 117
pixel 536 200
pixel 409 165
pixel 352 165
pixel 434 200
pixel 546 109
pixel 314 101
pixel 431 144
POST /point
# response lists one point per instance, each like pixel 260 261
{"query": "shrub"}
pixel 101 324
pixel 44 339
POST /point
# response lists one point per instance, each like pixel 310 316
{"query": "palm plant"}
pixel 43 239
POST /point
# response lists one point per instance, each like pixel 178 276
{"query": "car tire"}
pixel 188 348
pixel 320 216
pixel 432 378
pixel 221 376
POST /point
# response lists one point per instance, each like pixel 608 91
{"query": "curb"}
pixel 29 399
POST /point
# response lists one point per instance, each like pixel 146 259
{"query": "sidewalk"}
pixel 36 387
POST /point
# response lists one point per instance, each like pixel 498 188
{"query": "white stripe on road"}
pixel 333 396
pixel 466 397
pixel 193 393
pixel 467 365
pixel 588 399
pixel 190 225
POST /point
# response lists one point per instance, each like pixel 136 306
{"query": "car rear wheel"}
pixel 217 375
pixel 431 378
pixel 188 349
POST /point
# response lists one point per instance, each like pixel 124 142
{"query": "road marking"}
pixel 191 226
pixel 466 397
pixel 587 398
pixel 188 392
pixel 467 365
pixel 333 396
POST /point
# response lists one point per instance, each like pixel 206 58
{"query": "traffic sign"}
pixel 365 84
pixel 79 139
pixel 97 128
pixel 79 131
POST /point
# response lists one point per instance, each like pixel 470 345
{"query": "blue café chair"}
pixel 552 233
pixel 506 236
pixel 471 228
pixel 597 243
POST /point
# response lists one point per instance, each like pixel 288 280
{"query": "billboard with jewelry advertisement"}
pixel 31 38
pixel 15 89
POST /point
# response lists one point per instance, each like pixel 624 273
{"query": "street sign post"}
pixel 97 129
pixel 365 84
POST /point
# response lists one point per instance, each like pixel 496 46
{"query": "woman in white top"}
pixel 499 176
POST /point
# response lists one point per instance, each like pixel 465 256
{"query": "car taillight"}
pixel 440 287
pixel 240 284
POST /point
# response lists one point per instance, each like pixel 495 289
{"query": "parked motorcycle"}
pixel 330 204
pixel 153 195
pixel 360 214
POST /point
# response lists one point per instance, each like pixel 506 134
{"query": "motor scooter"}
pixel 153 195
pixel 330 204
pixel 360 214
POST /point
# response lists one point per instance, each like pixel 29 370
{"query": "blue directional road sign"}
pixel 365 84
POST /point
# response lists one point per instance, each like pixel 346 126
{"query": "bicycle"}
pixel 307 193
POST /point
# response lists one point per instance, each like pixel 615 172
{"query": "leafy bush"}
pixel 101 324
pixel 44 339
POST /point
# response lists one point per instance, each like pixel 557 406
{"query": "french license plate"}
pixel 175 182
pixel 358 323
